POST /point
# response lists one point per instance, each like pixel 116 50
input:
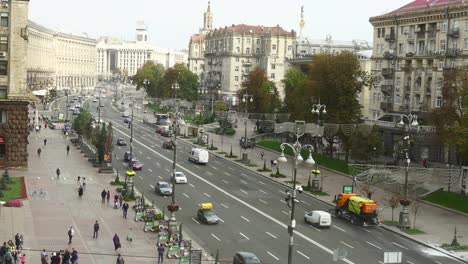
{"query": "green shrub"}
pixel 227 131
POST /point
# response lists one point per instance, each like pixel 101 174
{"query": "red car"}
pixel 168 144
pixel 136 165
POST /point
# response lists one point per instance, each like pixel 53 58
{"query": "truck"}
pixel 358 210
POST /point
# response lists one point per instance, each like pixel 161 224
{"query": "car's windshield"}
pixel 209 213
pixel 164 185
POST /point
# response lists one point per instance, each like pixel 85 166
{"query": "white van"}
pixel 199 156
pixel 318 218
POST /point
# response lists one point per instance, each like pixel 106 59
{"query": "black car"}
pixel 121 142
pixel 207 216
pixel 246 258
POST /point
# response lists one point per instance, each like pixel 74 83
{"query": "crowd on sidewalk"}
pixel 11 252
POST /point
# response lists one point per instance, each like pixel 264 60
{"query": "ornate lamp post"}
pixel 318 109
pixel 246 98
pixel 299 130
pixel 146 82
pixel 173 207
pixel 404 220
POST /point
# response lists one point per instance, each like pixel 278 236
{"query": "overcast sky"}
pixel 171 23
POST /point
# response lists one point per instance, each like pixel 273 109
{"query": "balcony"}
pixel 387 72
pixel 453 52
pixel 409 54
pixel 449 72
pixel 406 67
pixel 389 55
pixel 247 63
pixel 390 37
pixel 386 106
pixel 454 33
pixel 386 88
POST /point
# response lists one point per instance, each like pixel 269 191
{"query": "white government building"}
pixel 129 56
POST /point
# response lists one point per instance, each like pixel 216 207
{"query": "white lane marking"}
pixel 263 191
pixel 157 163
pixel 409 262
pixel 227 174
pixel 230 168
pixel 270 234
pixel 346 244
pixel 221 220
pixel 207 195
pixel 140 177
pixel 245 219
pixel 373 245
pixel 304 255
pixel 339 228
pixel 243 182
pixel 217 162
pixel 262 201
pixel 281 191
pixel 165 197
pixel 159 177
pixel 243 174
pixel 286 213
pixel 381 262
pixel 186 195
pixel 141 153
pixel 246 237
pixel 273 256
pixel 119 147
pixel 214 168
pixel 396 244
pixel 435 262
pixel 244 191
pixel 283 201
pixel 209 173
pixel 195 220
pixel 225 181
pixel 314 228
pixel 302 201
pixel 153 146
pixel 150 170
pixel 365 230
pixel 225 206
pixel 191 185
pixel 167 169
pixel 247 205
pixel 148 157
pixel 215 237
pixel 151 186
pixel 261 182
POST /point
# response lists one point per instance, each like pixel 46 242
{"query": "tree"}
pixel 415 208
pixel 219 106
pixel 188 83
pixel 393 202
pixel 297 95
pixel 366 147
pixel 450 120
pixel 101 142
pixel 109 139
pixel 154 74
pixel 53 93
pixel 82 124
pixel 264 92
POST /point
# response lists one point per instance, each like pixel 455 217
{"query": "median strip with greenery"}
pixel 451 200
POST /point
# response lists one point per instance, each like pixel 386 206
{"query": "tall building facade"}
pixel 14 95
pixel 413 47
pixel 61 60
pixel 126 57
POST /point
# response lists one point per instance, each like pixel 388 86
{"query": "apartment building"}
pixel 412 48
pixel 196 55
pixel 129 56
pixel 14 95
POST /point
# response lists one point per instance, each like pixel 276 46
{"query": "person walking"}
pixel 45 259
pixel 80 191
pixel 22 259
pixel 116 241
pixel 74 256
pixel 125 210
pixel 160 253
pixel 66 257
pixel 18 241
pixel 58 173
pixel 108 196
pixel 120 260
pixel 45 142
pixel 39 150
pixel 120 200
pixel 68 149
pixel 71 232
pixel 103 196
pixel 79 178
pixel 96 230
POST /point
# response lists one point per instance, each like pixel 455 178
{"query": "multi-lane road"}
pixel 254 215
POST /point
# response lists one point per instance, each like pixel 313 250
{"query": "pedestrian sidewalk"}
pixel 437 223
pixel 45 219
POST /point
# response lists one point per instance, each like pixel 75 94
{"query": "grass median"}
pixel 451 200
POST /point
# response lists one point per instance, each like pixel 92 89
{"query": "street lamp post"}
pixel 299 130
pixel 131 137
pixel 246 98
pixel 404 220
pixel 67 105
pixel 146 82
pixel 99 107
pixel 175 87
pixel 318 109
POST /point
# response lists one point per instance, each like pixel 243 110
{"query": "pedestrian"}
pixel 53 258
pixel 15 255
pixel 84 186
pixel 96 230
pixel 45 125
pixel 79 178
pixel 120 200
pixel 116 241
pixel 71 232
pixel 23 259
pixel 8 257
pixel 120 260
pixel 68 149
pixel 45 259
pixel 74 256
pixel 66 257
pixel 125 209
pixel 103 196
pixel 17 241
pixel 160 253
pixel 271 162
pixel 58 173
pixel 108 196
pixel 39 150
pixel 43 253
pixel 80 191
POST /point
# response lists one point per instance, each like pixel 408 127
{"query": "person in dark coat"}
pixel 74 256
pixel 116 240
pixel 80 191
pixel 120 260
pixel 66 257
pixel 103 196
pixel 160 253
pixel 96 230
pixel 108 196
pixel 125 210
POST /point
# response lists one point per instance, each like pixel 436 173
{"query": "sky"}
pixel 172 22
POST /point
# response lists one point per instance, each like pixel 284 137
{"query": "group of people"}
pixel 11 253
pixel 61 257
pixel 118 202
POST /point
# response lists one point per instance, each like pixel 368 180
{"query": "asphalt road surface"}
pixel 254 215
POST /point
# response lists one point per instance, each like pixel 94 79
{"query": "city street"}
pixel 252 208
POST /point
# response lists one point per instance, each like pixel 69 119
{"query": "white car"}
pixel 318 218
pixel 180 177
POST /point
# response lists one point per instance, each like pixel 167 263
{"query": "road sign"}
pixel 392 257
pixel 347 188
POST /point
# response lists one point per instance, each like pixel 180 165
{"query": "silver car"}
pixel 163 188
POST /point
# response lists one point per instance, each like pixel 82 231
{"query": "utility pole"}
pixel 66 105
pixel 246 98
pixel 131 137
pixel 99 107
pixel 175 87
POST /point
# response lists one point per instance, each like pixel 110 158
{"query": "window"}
pixel 257 60
pixel 273 66
pixel 465 43
pixel 247 51
pixel 443 27
pixel 3 116
pixel 3 92
pixel 236 68
pixel 378 33
pixel 466 25
pixel 257 50
pixel 237 59
pixel 397 82
pixel 237 49
pixel 3 68
pixel 248 41
pixel 442 45
pixel 439 102
pixel 289 47
pixel 272 75
pixel 383 32
pixel 258 41
pixel 236 78
pixel 400 48
pixel 273 47
pixel 4 19
pixel 195 68
pixel 402 31
pixel 238 40
pixel 397 99
pixel 4 43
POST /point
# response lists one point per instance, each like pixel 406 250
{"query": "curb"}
pixel 423 243
pixel 444 208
